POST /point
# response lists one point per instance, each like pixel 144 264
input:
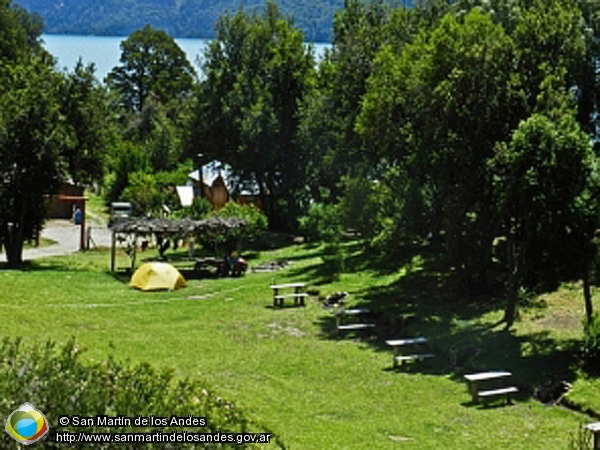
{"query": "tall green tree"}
pixel 85 106
pixel 255 73
pixel 33 135
pixel 436 111
pixel 151 62
pixel 20 31
pixel 329 113
pixel 549 37
pixel 51 128
pixel 546 189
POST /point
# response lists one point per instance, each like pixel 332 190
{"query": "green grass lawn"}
pixel 44 242
pixel 289 369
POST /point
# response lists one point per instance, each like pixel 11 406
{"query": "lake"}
pixel 105 51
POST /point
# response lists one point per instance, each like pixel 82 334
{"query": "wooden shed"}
pixel 62 205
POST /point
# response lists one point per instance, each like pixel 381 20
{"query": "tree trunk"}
pixel 512 299
pixel 13 244
pixel 587 294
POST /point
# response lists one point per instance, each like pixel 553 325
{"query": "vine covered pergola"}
pixel 216 230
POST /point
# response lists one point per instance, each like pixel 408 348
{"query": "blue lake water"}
pixel 105 51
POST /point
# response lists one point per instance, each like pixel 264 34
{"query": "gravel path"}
pixel 66 236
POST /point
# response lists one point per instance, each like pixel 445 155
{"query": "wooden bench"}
pixel 341 313
pixel 476 379
pixel 298 295
pixel 595 429
pixel 418 343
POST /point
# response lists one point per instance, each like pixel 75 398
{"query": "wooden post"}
pixel 113 251
pixel 135 237
pixel 474 391
pixel 82 229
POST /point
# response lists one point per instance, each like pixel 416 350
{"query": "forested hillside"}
pixel 180 18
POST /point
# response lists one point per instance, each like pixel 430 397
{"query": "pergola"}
pixel 169 228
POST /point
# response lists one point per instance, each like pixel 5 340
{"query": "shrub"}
pixel 256 221
pixel 58 383
pixel 143 193
pixel 231 227
pixel 199 209
pixel 591 343
pixel 322 222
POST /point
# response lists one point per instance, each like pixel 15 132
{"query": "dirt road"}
pixel 67 236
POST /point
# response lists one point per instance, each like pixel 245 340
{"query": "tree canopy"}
pixel 151 62
pixel 255 73
pixel 50 129
pixel 452 124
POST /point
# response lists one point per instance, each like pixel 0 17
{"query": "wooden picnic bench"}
pixel 476 379
pixel 595 429
pixel 418 343
pixel 341 313
pixel 298 295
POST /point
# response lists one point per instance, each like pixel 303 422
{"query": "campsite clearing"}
pixel 289 369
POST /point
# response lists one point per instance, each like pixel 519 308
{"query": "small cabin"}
pixel 61 206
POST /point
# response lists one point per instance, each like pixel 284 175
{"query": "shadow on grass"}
pixel 122 276
pixel 42 266
pixel 284 307
pixel 428 302
pixel 353 258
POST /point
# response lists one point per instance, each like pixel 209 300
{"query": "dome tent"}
pixel 156 276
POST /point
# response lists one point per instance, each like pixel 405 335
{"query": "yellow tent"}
pixel 156 276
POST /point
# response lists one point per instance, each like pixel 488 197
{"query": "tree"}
pixel 256 72
pixel 549 36
pixel 33 134
pixel 128 158
pixel 546 189
pixel 329 113
pixel 88 120
pixel 435 112
pixel 143 193
pixel 151 62
pixel 20 32
pixel 50 129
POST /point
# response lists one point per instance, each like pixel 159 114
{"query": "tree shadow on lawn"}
pixel 427 302
pixel 39 266
pixel 354 259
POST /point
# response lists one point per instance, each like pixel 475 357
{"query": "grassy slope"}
pixel 289 369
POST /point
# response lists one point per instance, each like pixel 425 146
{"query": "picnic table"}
pixel 298 293
pixel 595 429
pixel 418 343
pixel 476 379
pixel 343 312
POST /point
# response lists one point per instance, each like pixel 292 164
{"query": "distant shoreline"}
pixel 104 50
pixel 51 33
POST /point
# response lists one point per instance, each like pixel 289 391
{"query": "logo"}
pixel 26 425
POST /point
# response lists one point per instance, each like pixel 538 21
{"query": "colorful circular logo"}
pixel 26 424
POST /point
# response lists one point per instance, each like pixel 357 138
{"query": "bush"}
pixel 128 158
pixel 143 193
pixel 591 343
pixel 256 221
pixel 58 383
pixel 322 222
pixel 230 227
pixel 199 209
